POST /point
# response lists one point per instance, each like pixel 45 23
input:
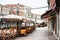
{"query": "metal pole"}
pixel 1 9
pixel 35 20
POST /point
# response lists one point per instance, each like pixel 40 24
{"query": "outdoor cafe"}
pixel 12 26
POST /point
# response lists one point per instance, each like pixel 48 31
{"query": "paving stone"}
pixel 41 33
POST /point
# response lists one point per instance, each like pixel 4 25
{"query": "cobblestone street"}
pixel 38 34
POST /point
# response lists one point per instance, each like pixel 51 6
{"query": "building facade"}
pixel 36 17
pixel 52 17
pixel 16 9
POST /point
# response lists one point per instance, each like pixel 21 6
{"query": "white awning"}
pixel 13 17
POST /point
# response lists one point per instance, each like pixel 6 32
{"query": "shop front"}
pixel 52 23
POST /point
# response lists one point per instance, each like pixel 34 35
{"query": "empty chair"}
pixel 15 32
pixel 23 31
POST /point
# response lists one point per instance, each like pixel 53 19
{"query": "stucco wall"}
pixel 59 23
pixel 5 11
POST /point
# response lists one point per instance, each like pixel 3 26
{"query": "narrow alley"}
pixel 30 20
pixel 38 34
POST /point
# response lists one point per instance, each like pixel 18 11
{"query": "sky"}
pixel 31 3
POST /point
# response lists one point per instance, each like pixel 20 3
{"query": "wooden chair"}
pixel 23 31
pixel 6 34
pixel 13 33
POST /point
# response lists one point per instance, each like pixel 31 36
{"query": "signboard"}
pixel 52 4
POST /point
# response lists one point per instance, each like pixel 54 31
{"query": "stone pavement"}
pixel 38 34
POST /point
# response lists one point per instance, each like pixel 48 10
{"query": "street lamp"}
pixel 17 9
pixel 1 10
